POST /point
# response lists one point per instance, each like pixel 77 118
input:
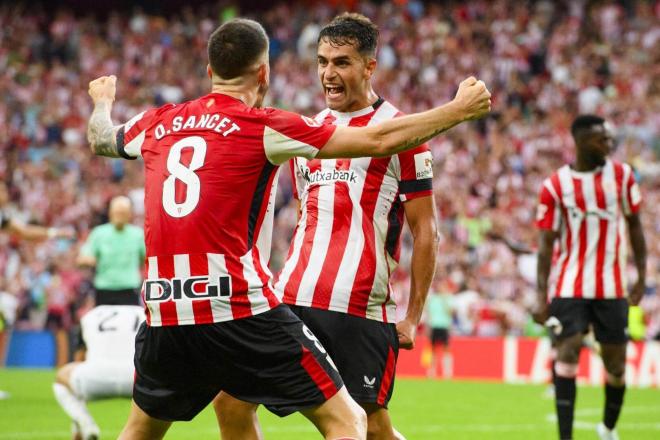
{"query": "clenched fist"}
pixel 103 89
pixel 472 99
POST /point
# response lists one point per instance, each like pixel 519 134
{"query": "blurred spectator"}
pixel 544 61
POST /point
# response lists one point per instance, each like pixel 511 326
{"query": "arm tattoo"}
pixel 420 140
pixel 101 133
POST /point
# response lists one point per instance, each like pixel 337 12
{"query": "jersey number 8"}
pixel 187 175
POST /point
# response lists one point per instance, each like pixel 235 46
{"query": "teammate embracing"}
pixel 346 243
pixel 213 321
pixel 587 206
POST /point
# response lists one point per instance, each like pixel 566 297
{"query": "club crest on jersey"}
pixel 328 176
pixel 424 165
pixel 162 289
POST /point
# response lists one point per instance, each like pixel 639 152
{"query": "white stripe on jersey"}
pixel 154 307
pixel 184 308
pixel 611 203
pixel 592 223
pixel 218 268
pixel 292 261
pixel 255 285
pixel 266 231
pixel 325 206
pixel 350 264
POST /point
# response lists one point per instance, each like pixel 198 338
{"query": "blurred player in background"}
pixel 587 206
pixel 107 371
pixel 347 241
pixel 116 250
pixel 213 321
pixel 439 316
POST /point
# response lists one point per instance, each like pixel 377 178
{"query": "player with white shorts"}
pixel 107 371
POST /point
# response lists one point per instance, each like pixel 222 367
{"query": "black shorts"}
pixel 609 318
pixel 365 351
pixel 440 336
pixel 123 297
pixel 269 358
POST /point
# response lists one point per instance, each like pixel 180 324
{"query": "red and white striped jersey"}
pixel 210 173
pixel 346 243
pixel 589 209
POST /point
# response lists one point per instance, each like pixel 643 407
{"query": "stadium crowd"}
pixel 544 62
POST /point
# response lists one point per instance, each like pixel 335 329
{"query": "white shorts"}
pixel 92 381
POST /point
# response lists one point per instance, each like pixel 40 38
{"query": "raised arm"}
pixel 101 134
pixel 472 101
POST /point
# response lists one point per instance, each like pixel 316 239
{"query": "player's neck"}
pixel 248 95
pixel 367 99
pixel 587 163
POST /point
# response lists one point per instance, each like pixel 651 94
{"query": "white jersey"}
pixel 109 333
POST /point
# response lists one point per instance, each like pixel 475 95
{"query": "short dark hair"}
pixel 236 46
pixel 354 29
pixel 585 122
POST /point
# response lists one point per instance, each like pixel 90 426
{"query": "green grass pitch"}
pixel 420 409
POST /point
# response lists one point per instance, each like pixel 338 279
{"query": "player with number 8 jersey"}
pixel 213 322
pixel 210 182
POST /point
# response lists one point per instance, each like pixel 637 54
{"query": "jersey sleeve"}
pixel 632 197
pixel 131 135
pixel 416 173
pixel 90 248
pixel 548 211
pixel 288 135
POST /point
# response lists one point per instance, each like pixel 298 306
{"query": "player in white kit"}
pixel 107 371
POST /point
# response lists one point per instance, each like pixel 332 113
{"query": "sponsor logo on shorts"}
pixel 369 383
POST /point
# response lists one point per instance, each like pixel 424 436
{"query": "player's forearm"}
pixel 101 133
pixel 29 232
pixel 543 269
pixel 425 245
pixel 401 134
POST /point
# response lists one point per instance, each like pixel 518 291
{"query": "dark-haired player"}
pixel 587 206
pixel 346 243
pixel 213 320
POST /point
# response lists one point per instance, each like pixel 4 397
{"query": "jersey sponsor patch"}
pixel 424 165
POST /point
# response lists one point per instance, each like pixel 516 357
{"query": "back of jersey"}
pixel 109 333
pixel 210 167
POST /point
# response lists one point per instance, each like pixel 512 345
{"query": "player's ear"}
pixel 209 72
pixel 370 67
pixel 263 73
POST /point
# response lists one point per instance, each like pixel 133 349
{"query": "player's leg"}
pixel 141 426
pixel 574 316
pixel 237 419
pixel 339 417
pixel 379 424
pixel 74 404
pixel 610 323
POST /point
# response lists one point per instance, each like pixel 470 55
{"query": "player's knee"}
pixel 63 374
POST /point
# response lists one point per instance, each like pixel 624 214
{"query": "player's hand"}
pixel 103 89
pixel 637 292
pixel 472 99
pixel 406 330
pixel 541 311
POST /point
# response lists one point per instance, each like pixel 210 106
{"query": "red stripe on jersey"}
pixel 602 236
pixel 312 211
pixel 240 303
pixel 569 235
pixel 388 377
pixel 263 276
pixel 364 279
pixel 582 234
pixel 618 285
pixel 199 265
pixel 318 374
pixel 168 315
pixel 341 226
